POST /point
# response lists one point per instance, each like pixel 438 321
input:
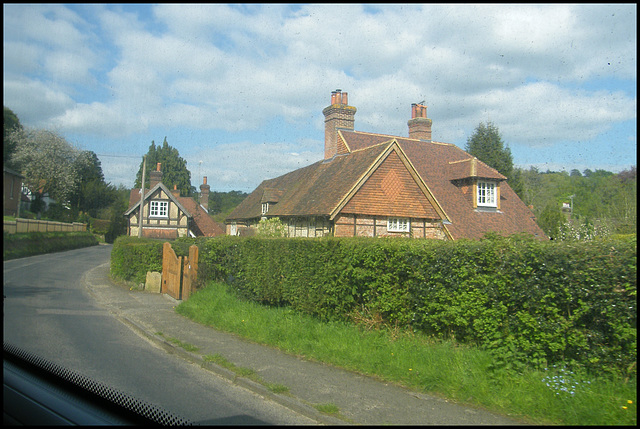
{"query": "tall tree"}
pixel 10 123
pixel 486 144
pixel 173 166
pixel 48 162
pixel 91 193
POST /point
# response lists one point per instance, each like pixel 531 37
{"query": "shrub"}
pixel 132 257
pixel 529 302
pixel 36 243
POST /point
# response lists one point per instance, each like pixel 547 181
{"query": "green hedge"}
pixel 530 302
pixel 36 243
pixel 132 257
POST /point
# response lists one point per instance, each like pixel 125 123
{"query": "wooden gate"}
pixel 179 272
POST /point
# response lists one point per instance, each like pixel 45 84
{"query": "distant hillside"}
pixel 222 203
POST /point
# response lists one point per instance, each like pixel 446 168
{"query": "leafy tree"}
pixel 10 123
pixel 223 203
pixel 91 193
pixel 551 220
pixel 174 168
pixel 272 227
pixel 599 198
pixel 118 223
pixel 48 162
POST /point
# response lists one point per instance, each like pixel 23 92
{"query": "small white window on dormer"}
pixel 396 224
pixel 487 194
pixel 265 208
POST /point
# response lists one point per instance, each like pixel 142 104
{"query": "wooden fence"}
pixel 33 225
pixel 179 272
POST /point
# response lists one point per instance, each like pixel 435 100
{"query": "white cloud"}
pixel 541 73
pixel 35 102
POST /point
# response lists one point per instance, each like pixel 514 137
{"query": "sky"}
pixel 239 89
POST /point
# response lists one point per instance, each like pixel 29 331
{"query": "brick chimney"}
pixel 155 177
pixel 175 192
pixel 339 115
pixel 419 124
pixel 204 194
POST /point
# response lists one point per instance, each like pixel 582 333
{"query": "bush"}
pixel 36 243
pixel 526 300
pixel 529 302
pixel 132 257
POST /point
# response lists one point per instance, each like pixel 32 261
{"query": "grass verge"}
pixel 445 368
pixel 245 372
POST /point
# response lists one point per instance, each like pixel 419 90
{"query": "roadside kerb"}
pixel 284 400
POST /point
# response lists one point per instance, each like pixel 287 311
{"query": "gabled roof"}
pixel 315 190
pixel 133 203
pixel 201 220
pixel 326 187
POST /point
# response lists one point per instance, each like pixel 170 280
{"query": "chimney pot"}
pixel 204 194
pixel 155 176
pixel 337 116
pixel 419 124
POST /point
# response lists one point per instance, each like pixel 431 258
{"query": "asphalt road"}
pixel 48 311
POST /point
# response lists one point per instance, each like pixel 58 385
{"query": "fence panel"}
pixel 34 225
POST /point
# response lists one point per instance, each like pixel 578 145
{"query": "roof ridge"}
pixel 399 137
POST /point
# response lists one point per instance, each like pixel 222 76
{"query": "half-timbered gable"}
pixel 167 215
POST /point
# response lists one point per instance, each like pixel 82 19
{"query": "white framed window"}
pixel 487 194
pixel 265 208
pixel 398 224
pixel 159 209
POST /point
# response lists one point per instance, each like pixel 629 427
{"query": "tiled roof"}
pixel 315 190
pixel 323 187
pixel 201 221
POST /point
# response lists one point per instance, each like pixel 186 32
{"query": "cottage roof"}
pixel 200 218
pixel 324 188
pixel 207 227
pixel 135 202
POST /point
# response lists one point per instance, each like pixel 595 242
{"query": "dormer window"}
pixel 487 195
pixel 265 208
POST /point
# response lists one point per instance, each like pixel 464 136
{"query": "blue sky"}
pixel 239 89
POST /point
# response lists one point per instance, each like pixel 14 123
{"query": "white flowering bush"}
pixel 576 230
pixel 48 162
pixel 272 227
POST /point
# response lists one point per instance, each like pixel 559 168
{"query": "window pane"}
pixel 486 194
pixel 398 225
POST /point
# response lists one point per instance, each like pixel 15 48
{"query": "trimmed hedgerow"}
pixel 36 243
pixel 530 302
pixel 132 257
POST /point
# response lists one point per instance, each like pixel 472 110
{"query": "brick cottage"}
pixel 379 185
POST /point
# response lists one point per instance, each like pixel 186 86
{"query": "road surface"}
pixel 49 312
